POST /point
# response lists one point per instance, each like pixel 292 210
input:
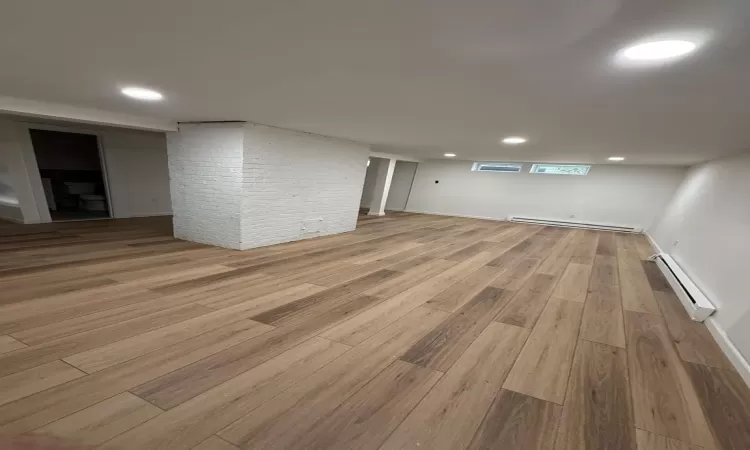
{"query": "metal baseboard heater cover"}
pixel 696 304
pixel 573 224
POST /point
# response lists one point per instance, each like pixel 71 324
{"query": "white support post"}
pixel 382 186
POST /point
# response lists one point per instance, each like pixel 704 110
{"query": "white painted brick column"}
pixel 383 179
pixel 205 176
pixel 299 185
pixel 244 185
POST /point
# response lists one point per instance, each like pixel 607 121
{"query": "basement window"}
pixel 496 167
pixel 561 169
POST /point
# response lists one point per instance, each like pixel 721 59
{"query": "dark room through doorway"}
pixel 72 174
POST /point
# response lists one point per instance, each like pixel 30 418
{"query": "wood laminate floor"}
pixel 413 331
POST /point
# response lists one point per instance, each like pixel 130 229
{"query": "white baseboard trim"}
pixel 653 242
pixel 496 219
pixel 457 215
pixel 735 357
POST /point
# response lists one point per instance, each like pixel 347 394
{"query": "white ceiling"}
pixel 415 76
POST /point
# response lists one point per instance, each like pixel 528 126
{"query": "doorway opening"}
pixel 403 178
pixel 400 188
pixel 72 173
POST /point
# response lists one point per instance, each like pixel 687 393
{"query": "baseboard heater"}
pixel 696 304
pixel 571 224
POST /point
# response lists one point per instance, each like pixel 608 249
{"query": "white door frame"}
pixel 29 150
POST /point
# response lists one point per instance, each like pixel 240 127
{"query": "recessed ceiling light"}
pixel 658 50
pixel 449 155
pixel 616 158
pixel 142 94
pixel 514 140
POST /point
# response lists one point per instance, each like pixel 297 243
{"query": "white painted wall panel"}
pixel 370 179
pixel 138 173
pixel 403 175
pixel 612 194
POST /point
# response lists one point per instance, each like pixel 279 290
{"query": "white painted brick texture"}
pixel 292 176
pixel 243 185
pixel 205 171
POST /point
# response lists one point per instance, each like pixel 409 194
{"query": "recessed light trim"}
pixel 140 93
pixel 658 50
pixel 449 155
pixel 514 140
pixel 616 158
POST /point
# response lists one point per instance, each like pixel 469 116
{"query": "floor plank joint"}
pixel 413 331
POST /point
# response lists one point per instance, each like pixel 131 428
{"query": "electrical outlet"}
pixel 312 226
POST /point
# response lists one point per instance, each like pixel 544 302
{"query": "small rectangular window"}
pixel 496 167
pixel 561 169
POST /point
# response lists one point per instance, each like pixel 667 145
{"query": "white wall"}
pixel 706 229
pixel 9 205
pixel 403 175
pixel 291 177
pixel 21 176
pixel 205 170
pixel 137 172
pixel 612 194
pixel 370 178
pixel 10 212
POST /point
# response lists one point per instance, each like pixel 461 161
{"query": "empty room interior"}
pixel 375 225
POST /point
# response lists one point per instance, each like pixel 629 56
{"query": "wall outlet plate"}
pixel 312 227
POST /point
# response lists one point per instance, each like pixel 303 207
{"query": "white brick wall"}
pixel 205 172
pixel 244 185
pixel 290 177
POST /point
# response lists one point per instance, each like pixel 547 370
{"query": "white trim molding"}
pixel 733 354
pixel 59 111
pixel 653 242
pixel 494 219
pixel 374 154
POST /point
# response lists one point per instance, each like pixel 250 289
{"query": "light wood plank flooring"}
pixel 413 331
